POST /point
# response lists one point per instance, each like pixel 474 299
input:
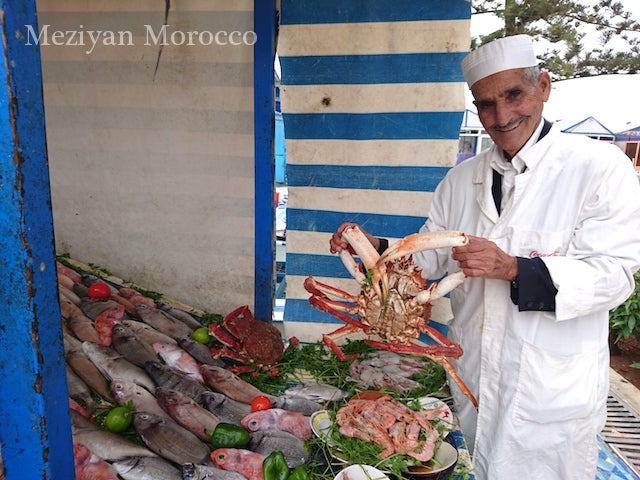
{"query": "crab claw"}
pixel 440 289
pixel 419 242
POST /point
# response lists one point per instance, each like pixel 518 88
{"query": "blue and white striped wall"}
pixel 372 96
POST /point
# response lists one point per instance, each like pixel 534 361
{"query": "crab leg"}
pixel 329 341
pixel 317 288
pixel 369 256
pixel 440 289
pixel 419 242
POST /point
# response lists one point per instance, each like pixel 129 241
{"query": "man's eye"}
pixel 513 94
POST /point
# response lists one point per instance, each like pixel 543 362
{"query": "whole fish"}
pixel 191 471
pixel 69 272
pixel 129 307
pixel 142 399
pixel 200 352
pixel 278 419
pixel 224 381
pixel 131 347
pixel 146 468
pixel 266 441
pixel 81 325
pixel 88 466
pixel 165 376
pixel 317 392
pixel 115 367
pixel 163 322
pixel 244 462
pixel 85 368
pixel 177 358
pixel 78 390
pixel 135 298
pixel 301 405
pixel 80 290
pixel 93 308
pixel 69 295
pixel 169 440
pixel 187 412
pixel 147 333
pixel 178 314
pixel 110 445
pixel 65 281
pixel 224 408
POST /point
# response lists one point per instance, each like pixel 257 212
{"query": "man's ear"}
pixel 544 84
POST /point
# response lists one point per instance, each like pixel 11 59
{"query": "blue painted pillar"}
pixel 264 50
pixel 35 431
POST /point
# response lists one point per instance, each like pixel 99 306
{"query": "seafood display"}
pixel 393 304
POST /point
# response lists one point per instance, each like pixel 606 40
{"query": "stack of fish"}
pixel 129 349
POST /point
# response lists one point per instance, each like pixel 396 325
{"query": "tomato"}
pixel 260 403
pixel 99 291
pixel 118 419
pixel 201 335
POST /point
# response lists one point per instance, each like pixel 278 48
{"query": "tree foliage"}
pixel 562 25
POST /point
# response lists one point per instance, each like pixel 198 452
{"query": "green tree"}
pixel 561 24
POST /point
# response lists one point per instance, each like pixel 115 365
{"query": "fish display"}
pixel 147 468
pixel 278 419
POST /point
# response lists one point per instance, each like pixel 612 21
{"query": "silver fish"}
pixel 85 368
pixel 178 314
pixel 191 471
pixel 170 440
pixel 147 468
pixel 163 322
pixel 226 409
pixel 200 352
pixel 147 333
pixel 302 405
pixel 187 412
pixel 317 392
pixel 143 400
pixel 267 441
pixel 224 381
pixel 131 347
pixel 115 367
pixel 110 445
pixel 165 376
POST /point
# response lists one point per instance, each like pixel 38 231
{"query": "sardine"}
pixel 177 358
pixel 85 368
pixel 147 333
pixel 191 471
pixel 165 376
pixel 110 445
pixel 163 322
pixel 244 462
pixel 224 381
pixel 178 314
pixel 169 440
pixel 187 412
pixel 317 392
pixel 142 399
pixel 278 419
pixel 131 347
pixel 115 367
pixel 267 441
pixel 200 352
pixel 147 468
pixel 301 405
pixel 226 409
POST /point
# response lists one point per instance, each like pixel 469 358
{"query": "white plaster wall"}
pixel 152 177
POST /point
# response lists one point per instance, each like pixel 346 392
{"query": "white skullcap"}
pixel 497 56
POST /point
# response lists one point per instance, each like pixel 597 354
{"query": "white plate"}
pixel 361 472
pixel 445 457
pixel 444 418
pixel 321 425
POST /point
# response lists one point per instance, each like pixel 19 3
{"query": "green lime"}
pixel 201 335
pixel 118 419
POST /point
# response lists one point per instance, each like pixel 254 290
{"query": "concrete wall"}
pixel 152 171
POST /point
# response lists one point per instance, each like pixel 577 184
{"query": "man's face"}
pixel 510 106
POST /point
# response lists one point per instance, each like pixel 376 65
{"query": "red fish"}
pixel 278 419
pixel 90 467
pixel 105 321
pixel 72 274
pixel 244 462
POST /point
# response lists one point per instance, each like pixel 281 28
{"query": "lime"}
pixel 118 419
pixel 201 335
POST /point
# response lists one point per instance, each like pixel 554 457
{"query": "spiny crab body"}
pixel 393 303
pixel 251 343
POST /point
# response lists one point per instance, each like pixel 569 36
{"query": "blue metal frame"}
pixel 35 430
pixel 264 130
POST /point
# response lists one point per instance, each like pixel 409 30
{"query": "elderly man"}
pixel 554 227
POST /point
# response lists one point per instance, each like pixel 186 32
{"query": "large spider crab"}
pixel 393 303
pixel 251 343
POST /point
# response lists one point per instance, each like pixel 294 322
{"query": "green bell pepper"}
pixel 275 467
pixel 227 435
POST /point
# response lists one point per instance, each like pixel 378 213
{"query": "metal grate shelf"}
pixel 622 433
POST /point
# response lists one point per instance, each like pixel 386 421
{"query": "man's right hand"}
pixel 337 244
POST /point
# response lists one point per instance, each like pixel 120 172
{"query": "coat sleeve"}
pixel 596 272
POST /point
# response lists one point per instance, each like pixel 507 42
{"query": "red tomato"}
pixel 99 291
pixel 260 403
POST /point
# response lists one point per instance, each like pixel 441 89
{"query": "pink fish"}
pixel 72 274
pixel 135 298
pixel 105 321
pixel 244 462
pixel 176 357
pixel 90 467
pixel 278 419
